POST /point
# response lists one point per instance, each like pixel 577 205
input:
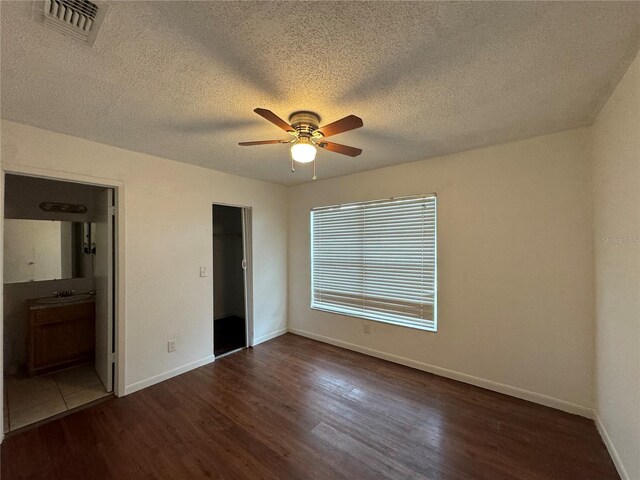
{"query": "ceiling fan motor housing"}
pixel 305 123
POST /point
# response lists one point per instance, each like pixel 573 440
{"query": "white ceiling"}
pixel 180 79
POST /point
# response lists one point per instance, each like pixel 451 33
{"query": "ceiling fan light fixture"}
pixel 303 150
pixel 306 137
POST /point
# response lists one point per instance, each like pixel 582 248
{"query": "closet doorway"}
pixel 231 271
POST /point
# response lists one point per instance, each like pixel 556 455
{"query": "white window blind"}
pixel 376 260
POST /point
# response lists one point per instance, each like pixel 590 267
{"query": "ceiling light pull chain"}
pixel 314 169
pixel 293 168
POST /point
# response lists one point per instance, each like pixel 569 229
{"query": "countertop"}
pixel 32 304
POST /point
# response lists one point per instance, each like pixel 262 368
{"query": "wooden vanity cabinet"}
pixel 60 336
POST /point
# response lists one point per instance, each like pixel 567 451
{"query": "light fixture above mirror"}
pixel 62 207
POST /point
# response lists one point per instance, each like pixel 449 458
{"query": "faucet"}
pixel 64 293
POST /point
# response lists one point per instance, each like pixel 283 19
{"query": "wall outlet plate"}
pixel 171 345
pixel 366 327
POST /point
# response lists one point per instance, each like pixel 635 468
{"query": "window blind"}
pixel 377 260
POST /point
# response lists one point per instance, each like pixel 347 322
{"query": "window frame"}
pixel 407 324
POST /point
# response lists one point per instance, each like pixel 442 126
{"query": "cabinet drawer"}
pixel 63 313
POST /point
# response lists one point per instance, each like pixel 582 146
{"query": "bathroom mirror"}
pixel 36 250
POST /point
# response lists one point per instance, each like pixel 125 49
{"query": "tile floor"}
pixel 29 400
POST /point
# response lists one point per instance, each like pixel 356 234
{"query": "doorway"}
pixel 230 272
pixel 59 297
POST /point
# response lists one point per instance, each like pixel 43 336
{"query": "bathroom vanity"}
pixel 60 333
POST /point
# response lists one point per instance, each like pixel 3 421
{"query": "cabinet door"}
pixel 63 335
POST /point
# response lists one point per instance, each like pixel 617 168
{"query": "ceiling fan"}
pixel 306 136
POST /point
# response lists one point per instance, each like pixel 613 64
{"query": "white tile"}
pixel 20 417
pixel 24 393
pixel 84 396
pixel 76 379
pixel 30 400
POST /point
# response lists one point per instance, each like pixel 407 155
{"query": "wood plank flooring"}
pixel 293 408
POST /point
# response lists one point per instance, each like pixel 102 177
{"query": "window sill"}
pixel 433 329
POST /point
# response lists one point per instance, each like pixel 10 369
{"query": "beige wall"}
pixel 166 209
pixel 616 150
pixel 515 268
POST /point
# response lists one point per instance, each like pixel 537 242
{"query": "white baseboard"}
pixel 147 382
pixel 459 376
pixel 269 336
pixel 617 461
pixel 134 387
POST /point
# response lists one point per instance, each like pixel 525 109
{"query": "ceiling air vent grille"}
pixel 79 19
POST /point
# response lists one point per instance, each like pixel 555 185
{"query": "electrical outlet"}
pixel 203 271
pixel 366 326
pixel 171 345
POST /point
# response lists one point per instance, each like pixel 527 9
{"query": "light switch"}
pixel 203 271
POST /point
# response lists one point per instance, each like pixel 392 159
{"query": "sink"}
pixel 71 298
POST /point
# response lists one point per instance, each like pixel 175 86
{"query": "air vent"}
pixel 80 19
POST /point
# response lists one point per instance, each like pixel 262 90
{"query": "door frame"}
pixel 247 236
pixel 119 287
pixel 106 195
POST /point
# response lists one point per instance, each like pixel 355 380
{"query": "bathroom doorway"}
pixel 231 309
pixel 59 297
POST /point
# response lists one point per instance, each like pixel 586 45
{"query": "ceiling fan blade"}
pixel 343 125
pixel 262 142
pixel 337 148
pixel 273 118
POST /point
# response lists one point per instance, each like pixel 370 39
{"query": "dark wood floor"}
pixel 293 408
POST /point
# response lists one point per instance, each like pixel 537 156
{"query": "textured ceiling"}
pixel 180 79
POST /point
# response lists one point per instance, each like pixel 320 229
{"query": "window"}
pixel 377 260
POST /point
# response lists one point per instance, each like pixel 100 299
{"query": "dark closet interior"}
pixel 229 325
